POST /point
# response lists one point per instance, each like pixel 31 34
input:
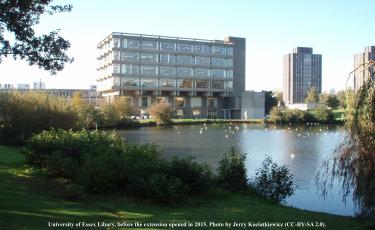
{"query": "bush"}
pixel 165 189
pixel 161 112
pixel 323 114
pixel 273 181
pixel 73 191
pixel 27 113
pixel 232 171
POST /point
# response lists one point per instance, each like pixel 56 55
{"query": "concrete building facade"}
pixel 302 71
pixel 364 71
pixel 199 78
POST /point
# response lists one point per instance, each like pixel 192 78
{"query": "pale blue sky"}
pixel 336 29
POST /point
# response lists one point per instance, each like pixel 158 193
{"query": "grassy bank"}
pixel 29 200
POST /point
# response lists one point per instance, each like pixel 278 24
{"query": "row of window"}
pixel 169 83
pixel 169 46
pixel 153 58
pixel 166 71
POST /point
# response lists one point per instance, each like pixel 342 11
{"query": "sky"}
pixel 336 29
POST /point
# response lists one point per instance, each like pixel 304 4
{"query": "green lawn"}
pixel 29 200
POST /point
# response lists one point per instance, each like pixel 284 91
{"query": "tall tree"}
pixel 312 96
pixel 18 38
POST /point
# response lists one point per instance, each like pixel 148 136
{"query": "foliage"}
pixel 273 181
pixel 232 171
pixel 342 97
pixel 18 18
pixel 330 100
pixel 290 116
pixel 312 96
pixel 323 114
pixel 270 101
pixel 161 112
pixel 25 113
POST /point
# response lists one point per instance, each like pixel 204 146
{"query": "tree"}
pixel 123 107
pixel 312 96
pixel 161 112
pixel 330 100
pixel 342 97
pixel 18 18
pixel 270 101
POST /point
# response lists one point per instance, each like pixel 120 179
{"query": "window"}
pixel 149 83
pixel 179 102
pixel 230 51
pixel 116 55
pixel 212 102
pixel 184 72
pixel 200 72
pixel 185 83
pixel 218 62
pixel 218 50
pixel 116 68
pixel 149 58
pixel 116 81
pixel 149 70
pixel 185 60
pixel 202 84
pixel 167 58
pixel 229 74
pixel 202 49
pixel 202 61
pixel 130 81
pixel 167 71
pixel 229 62
pixel 195 102
pixel 229 85
pixel 131 43
pixel 144 102
pixel 218 73
pixel 116 43
pixel 149 45
pixel 167 83
pixel 217 84
pixel 129 69
pixel 167 46
pixel 130 56
pixel 185 47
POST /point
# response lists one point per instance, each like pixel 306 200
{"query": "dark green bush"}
pixel 166 189
pixel 273 181
pixel 232 171
pixel 73 191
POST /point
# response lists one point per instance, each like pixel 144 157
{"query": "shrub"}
pixel 165 189
pixel 232 171
pixel 273 181
pixel 26 113
pixel 323 114
pixel 161 112
pixel 73 191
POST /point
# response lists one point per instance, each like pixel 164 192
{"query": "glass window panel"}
pixel 217 84
pixel 202 49
pixel 201 72
pixel 218 50
pixel 230 51
pixel 182 83
pixel 185 60
pixel 218 62
pixel 202 61
pixel 130 81
pixel 167 83
pixel 196 102
pixel 149 82
pixel 229 74
pixel 202 84
pixel 149 58
pixel 116 81
pixel 116 68
pixel 167 71
pixel 149 45
pixel 130 43
pixel 116 55
pixel 167 58
pixel 129 69
pixel 186 47
pixel 184 72
pixel 217 73
pixel 179 102
pixel 116 43
pixel 149 70
pixel 229 85
pixel 229 62
pixel 167 46
pixel 130 56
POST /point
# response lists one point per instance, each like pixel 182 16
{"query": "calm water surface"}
pixel 302 148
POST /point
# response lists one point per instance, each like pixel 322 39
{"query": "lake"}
pixel 302 148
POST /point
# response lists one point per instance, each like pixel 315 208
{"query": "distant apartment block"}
pixel 364 71
pixel 199 78
pixel 23 86
pixel 302 71
pixel 39 85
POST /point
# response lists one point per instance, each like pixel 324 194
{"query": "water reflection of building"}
pixel 199 78
pixel 363 73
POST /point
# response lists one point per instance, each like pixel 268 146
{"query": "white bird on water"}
pixel 292 156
